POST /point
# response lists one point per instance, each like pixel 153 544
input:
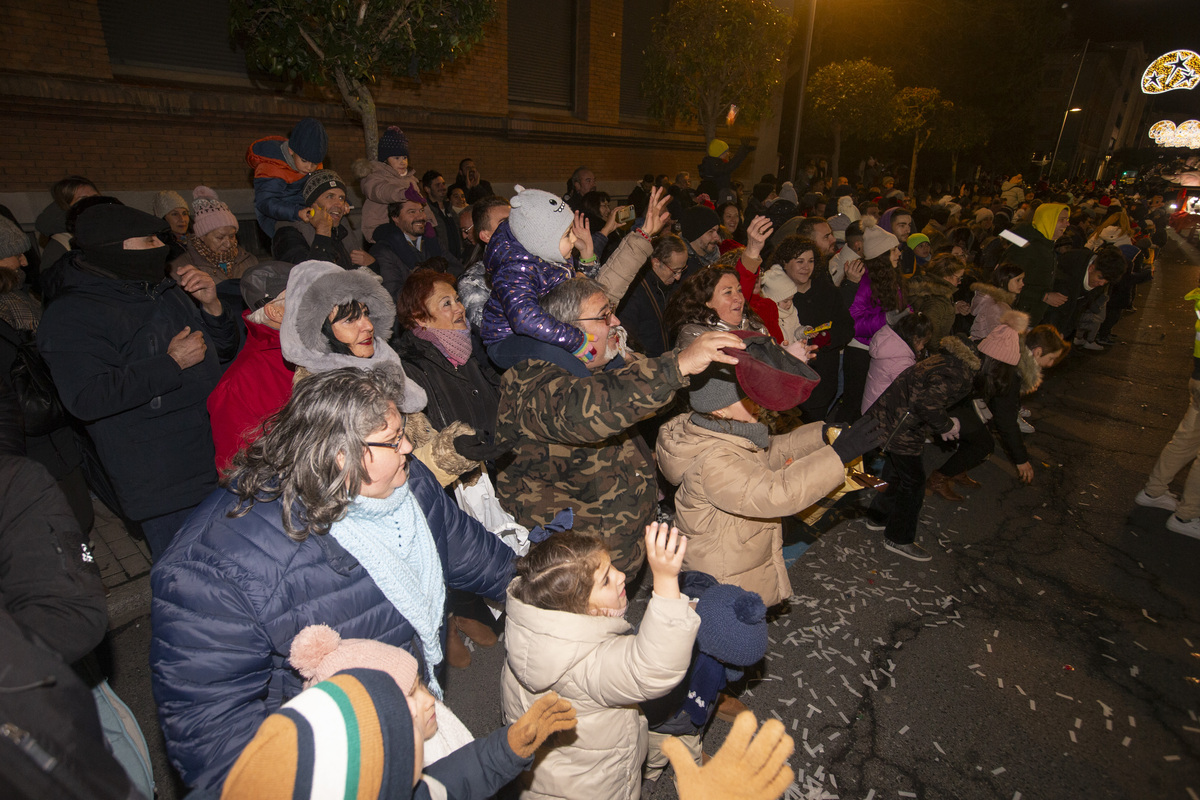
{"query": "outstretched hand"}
pixel 757 233
pixel 665 547
pixel 581 231
pixel 549 715
pixel 706 349
pixel 743 769
pixel 657 215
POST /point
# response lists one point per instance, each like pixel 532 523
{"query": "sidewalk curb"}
pixel 128 602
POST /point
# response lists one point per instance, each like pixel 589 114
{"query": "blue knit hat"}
pixel 309 140
pixel 392 143
pixel 733 625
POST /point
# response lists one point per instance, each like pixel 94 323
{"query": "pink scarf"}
pixel 455 345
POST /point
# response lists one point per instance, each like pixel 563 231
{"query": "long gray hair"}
pixel 296 458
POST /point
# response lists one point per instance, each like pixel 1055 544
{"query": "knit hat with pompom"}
pixel 733 625
pixel 209 213
pixel 776 285
pixel 1004 342
pixel 876 241
pixel 318 652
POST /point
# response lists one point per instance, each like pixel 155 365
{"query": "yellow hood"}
pixel 1046 218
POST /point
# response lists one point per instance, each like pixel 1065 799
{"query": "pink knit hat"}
pixel 1004 342
pixel 209 213
pixel 318 652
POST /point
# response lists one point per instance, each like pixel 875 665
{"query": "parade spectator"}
pixel 1041 348
pixel 388 179
pixel 643 311
pixel 473 187
pixel 719 164
pixel 571 423
pixel 322 232
pixel 326 519
pixel 171 208
pixel 258 382
pixel 711 300
pixel 879 292
pixel 213 247
pixel 567 633
pixel 700 228
pixel 52 222
pixel 899 222
pixel 480 221
pixel 582 181
pixel 281 168
pixel 1038 259
pixel 736 481
pixel 104 338
pixel 894 348
pixel 932 293
pixel 401 243
pixel 433 186
pixel 992 300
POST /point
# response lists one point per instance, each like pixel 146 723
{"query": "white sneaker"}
pixel 1189 527
pixel 875 525
pixel 1092 346
pixel 1166 500
pixel 1025 426
pixel 1079 342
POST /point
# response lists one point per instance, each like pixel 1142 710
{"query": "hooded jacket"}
pixel 277 185
pixel 380 186
pixel 314 288
pixel 257 384
pixel 604 670
pixel 230 594
pixel 732 495
pixel 106 342
pixel 890 356
pixel 1006 407
pixel 1038 259
pixel 933 297
pixel 988 306
pixel 1012 193
pixel 917 403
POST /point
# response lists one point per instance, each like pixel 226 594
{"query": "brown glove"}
pixel 741 769
pixel 549 715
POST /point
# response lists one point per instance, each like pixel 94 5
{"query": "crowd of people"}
pixel 464 415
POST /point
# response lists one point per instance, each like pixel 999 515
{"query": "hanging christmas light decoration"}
pixel 1178 69
pixel 1167 134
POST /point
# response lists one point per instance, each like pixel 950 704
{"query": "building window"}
pixel 636 41
pixel 189 39
pixel 541 53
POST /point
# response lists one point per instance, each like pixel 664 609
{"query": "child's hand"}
pixel 664 552
pixel 549 715
pixel 581 230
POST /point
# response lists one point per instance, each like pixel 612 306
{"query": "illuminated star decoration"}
pixel 1178 69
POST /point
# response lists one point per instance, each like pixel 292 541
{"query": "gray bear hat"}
pixel 539 220
pixel 314 288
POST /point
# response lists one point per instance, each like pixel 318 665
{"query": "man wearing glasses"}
pixel 572 425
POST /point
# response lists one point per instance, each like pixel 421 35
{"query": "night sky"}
pixel 1163 25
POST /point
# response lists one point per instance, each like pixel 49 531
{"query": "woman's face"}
pixel 727 300
pixel 1064 219
pixel 730 218
pixel 221 239
pixel 386 467
pixel 800 269
pixel 956 278
pixel 608 590
pixel 1017 284
pixel 443 310
pixel 178 219
pixel 895 256
pixel 605 209
pixel 358 334
pixel 423 707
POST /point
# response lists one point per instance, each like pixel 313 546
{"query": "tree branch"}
pixel 311 43
pixel 392 22
pixel 349 96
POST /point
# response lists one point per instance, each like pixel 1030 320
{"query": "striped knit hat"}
pixel 348 737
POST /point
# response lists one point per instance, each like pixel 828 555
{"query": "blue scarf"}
pixel 392 541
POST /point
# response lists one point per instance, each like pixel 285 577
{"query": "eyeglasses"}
pixel 393 446
pixel 607 313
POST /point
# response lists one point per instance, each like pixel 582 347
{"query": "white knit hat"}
pixel 876 241
pixel 776 285
pixel 539 219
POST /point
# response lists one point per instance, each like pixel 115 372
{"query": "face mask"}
pixel 130 265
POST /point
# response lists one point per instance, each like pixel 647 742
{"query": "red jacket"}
pixel 765 307
pixel 257 384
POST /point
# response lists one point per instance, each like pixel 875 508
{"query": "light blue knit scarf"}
pixel 392 541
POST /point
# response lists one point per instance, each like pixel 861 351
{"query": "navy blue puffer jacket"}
pixel 230 594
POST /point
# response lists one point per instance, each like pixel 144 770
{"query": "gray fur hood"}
pixel 313 289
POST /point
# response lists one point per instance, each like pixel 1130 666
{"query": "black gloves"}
pixel 479 446
pixel 850 443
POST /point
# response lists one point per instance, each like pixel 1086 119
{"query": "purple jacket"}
pixel 890 355
pixel 868 315
pixel 519 281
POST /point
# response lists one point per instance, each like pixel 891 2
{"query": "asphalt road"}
pixel 1051 649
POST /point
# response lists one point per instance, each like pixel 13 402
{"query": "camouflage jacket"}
pixel 575 445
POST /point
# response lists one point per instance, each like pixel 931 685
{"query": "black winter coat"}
pixel 230 594
pixel 395 258
pixel 643 312
pixel 822 303
pixel 470 393
pixel 106 341
pixel 918 401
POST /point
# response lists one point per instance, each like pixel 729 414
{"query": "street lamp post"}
pixel 1070 100
pixel 812 19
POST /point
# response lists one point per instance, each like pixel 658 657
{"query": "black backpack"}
pixel 30 379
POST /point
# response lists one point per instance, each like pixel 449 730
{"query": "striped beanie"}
pixel 347 737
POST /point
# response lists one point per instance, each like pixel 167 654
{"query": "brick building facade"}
pixel 70 103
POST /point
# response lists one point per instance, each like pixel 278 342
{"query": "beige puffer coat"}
pixel 604 671
pixel 733 494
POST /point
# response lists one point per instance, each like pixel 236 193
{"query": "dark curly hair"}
pixel 887 290
pixel 794 247
pixel 559 573
pixel 689 303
